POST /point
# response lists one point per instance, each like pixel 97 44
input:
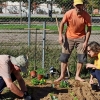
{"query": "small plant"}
pixel 35 81
pixel 53 97
pixel 64 84
pixel 42 81
pixel 40 71
pixel 30 69
pixel 74 97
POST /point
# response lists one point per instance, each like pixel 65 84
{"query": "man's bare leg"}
pixel 63 70
pixel 78 70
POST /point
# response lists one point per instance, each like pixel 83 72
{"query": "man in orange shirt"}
pixel 76 36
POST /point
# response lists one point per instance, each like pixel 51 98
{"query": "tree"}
pixel 92 4
pixel 65 4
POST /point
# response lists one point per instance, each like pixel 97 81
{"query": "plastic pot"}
pixel 33 74
pixel 39 77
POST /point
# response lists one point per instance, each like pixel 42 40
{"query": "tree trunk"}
pixel 0 7
pixel 1 10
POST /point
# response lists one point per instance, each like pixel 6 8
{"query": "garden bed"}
pixel 76 91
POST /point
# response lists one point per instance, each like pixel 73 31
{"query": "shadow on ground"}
pixel 39 92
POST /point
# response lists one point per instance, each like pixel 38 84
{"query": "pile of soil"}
pixel 76 91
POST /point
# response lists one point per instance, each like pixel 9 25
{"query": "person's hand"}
pixel 88 65
pixel 84 46
pixel 91 81
pixel 27 96
pixel 61 39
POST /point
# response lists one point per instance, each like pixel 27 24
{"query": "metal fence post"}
pixel 29 15
pixel 35 67
pixel 43 48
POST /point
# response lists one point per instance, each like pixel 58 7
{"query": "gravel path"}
pixel 52 38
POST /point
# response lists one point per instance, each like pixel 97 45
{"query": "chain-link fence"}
pixel 36 33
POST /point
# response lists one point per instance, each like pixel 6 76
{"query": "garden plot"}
pixel 76 91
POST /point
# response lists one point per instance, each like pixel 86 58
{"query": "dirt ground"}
pixel 76 91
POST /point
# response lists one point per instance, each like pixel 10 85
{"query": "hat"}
pixel 76 2
pixel 21 61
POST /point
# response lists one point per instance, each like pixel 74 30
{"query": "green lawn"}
pixel 23 26
pixel 94 28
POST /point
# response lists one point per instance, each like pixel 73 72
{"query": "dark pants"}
pixel 3 84
pixel 96 74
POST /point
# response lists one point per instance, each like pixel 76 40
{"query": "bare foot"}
pixel 79 79
pixel 91 81
pixel 58 80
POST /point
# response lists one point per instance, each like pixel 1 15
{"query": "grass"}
pixel 51 57
pixel 95 28
pixel 23 26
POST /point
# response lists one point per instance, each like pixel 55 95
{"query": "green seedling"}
pixel 53 97
pixel 75 98
pixel 35 81
pixel 64 84
pixel 52 85
pixel 73 95
pixel 40 71
pixel 42 81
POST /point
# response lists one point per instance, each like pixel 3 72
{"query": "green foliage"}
pixel 35 81
pixel 53 97
pixel 72 62
pixel 31 68
pixel 40 71
pixel 42 81
pixel 73 95
pixel 64 84
pixel 52 54
pixel 66 3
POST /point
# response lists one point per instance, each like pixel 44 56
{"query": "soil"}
pixel 76 91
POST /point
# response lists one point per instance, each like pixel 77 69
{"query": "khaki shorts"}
pixel 69 45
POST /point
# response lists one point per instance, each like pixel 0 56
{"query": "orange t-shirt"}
pixel 76 24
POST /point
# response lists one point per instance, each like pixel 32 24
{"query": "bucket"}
pixel 94 86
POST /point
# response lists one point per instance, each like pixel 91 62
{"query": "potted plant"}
pixel 40 73
pixel 32 72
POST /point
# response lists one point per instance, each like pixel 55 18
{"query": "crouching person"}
pixel 93 50
pixel 10 68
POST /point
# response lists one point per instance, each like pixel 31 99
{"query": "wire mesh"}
pixel 14 32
